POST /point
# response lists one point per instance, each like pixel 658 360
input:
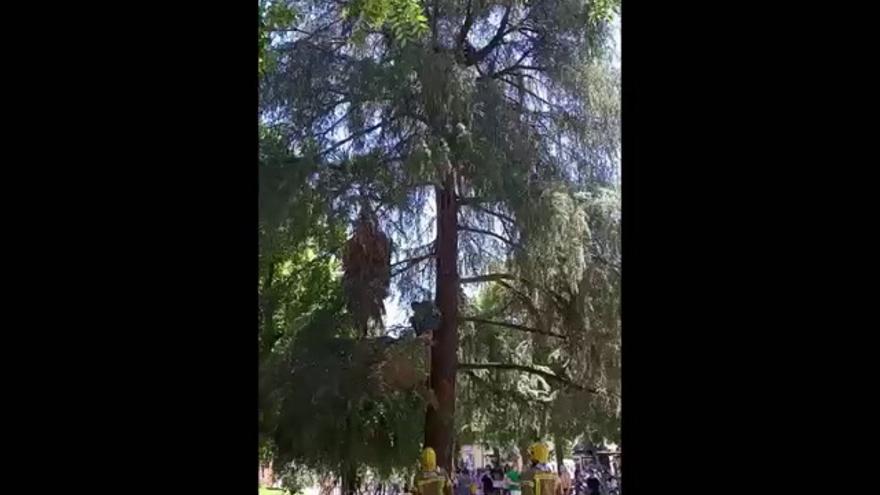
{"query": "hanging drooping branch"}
pixel 506 393
pixel 475 230
pixel 560 301
pixel 514 326
pixel 534 371
pixel 604 261
pixel 536 313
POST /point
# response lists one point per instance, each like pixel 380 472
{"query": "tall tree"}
pixel 485 105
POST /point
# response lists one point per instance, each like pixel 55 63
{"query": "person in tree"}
pixel 539 478
pixel 431 480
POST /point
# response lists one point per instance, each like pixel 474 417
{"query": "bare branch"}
pixel 496 214
pixel 411 263
pixel 353 136
pixel 414 259
pixel 515 327
pixel 495 41
pixel 489 233
pixel 435 16
pixel 466 27
pixel 514 66
pixel 470 201
pixel 491 277
pixel 527 91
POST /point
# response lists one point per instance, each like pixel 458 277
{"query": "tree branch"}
pixel 527 91
pixel 523 297
pixel 604 261
pixel 497 277
pixel 471 201
pixel 435 16
pixel 495 41
pixel 514 66
pixel 412 262
pixel 353 136
pixel 466 27
pixel 496 214
pixel 489 233
pixel 512 71
pixel 490 277
pixel 515 327
pixel 528 369
pixel 414 259
pixel 506 394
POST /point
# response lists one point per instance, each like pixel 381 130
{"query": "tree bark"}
pixel 559 447
pixel 349 479
pixel 439 426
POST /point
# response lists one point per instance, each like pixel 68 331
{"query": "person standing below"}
pixel 488 485
pixel 593 484
pixel 565 481
pixel 512 479
pixel 538 478
pixel 431 480
pixel 463 483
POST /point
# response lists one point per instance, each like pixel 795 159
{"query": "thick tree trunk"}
pixel 439 426
pixel 349 466
pixel 559 446
pixel 349 479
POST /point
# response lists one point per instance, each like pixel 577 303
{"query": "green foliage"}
pixel 299 244
pixel 405 18
pixel 274 15
pixel 332 404
pixel 359 109
pixel 603 10
pixel 570 285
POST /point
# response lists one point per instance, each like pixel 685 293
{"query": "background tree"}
pixel 332 401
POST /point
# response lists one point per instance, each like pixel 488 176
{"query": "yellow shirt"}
pixel 432 483
pixel 539 482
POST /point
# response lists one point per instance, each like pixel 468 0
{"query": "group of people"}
pixel 592 478
pixel 488 481
pixel 537 479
